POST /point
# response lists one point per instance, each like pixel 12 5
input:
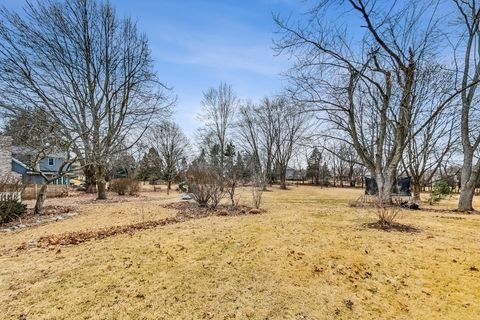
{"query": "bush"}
pixel 11 209
pixel 440 190
pixel 204 185
pixel 125 186
pixel 134 188
pixel 387 214
pixel 257 192
pixel 11 206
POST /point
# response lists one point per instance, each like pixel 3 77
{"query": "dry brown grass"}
pixel 308 257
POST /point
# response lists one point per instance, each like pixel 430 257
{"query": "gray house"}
pixel 19 159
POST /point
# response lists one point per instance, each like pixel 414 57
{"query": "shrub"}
pixel 125 186
pixel 440 190
pixel 204 185
pixel 257 192
pixel 216 195
pixel 11 209
pixel 387 214
pixel 134 187
pixel 10 199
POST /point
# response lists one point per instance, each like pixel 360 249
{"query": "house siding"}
pixel 45 167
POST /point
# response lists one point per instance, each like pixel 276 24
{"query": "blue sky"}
pixel 197 44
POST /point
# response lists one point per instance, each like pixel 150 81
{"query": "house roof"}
pixel 29 151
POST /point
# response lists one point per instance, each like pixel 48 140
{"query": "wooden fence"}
pixel 53 191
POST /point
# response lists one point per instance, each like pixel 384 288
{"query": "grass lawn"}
pixel 308 257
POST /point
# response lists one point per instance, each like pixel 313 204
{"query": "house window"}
pixel 51 161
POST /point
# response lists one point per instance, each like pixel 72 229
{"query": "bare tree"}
pixel 289 124
pixel 219 106
pixel 435 144
pixel 86 68
pixel 467 58
pixel 364 87
pixel 257 134
pixel 171 144
pixel 267 121
pixel 249 135
pixel 41 136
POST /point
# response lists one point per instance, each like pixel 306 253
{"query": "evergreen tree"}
pixel 150 168
pixel 314 166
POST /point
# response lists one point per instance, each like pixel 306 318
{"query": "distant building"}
pixel 294 174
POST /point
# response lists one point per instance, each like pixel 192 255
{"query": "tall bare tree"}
pixel 289 124
pixel 467 57
pixel 86 68
pixel 435 144
pixel 363 85
pixel 267 120
pixel 219 106
pixel 249 137
pixel 171 144
pixel 257 133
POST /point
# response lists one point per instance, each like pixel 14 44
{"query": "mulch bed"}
pixel 185 211
pixel 394 226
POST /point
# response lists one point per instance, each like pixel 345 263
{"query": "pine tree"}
pixel 150 168
pixel 314 166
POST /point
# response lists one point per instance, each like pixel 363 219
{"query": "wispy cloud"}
pixel 238 48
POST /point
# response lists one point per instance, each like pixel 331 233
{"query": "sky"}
pixel 196 44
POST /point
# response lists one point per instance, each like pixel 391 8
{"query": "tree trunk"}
pixel 465 202
pixel 101 184
pixel 417 190
pixel 283 178
pixel 467 183
pixel 90 178
pixel 169 186
pixel 41 196
pixel 384 184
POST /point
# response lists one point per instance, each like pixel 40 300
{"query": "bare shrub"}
pixel 11 206
pixel 123 186
pixel 216 195
pixel 257 192
pixel 387 214
pixel 204 185
pixel 134 187
pixel 230 189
